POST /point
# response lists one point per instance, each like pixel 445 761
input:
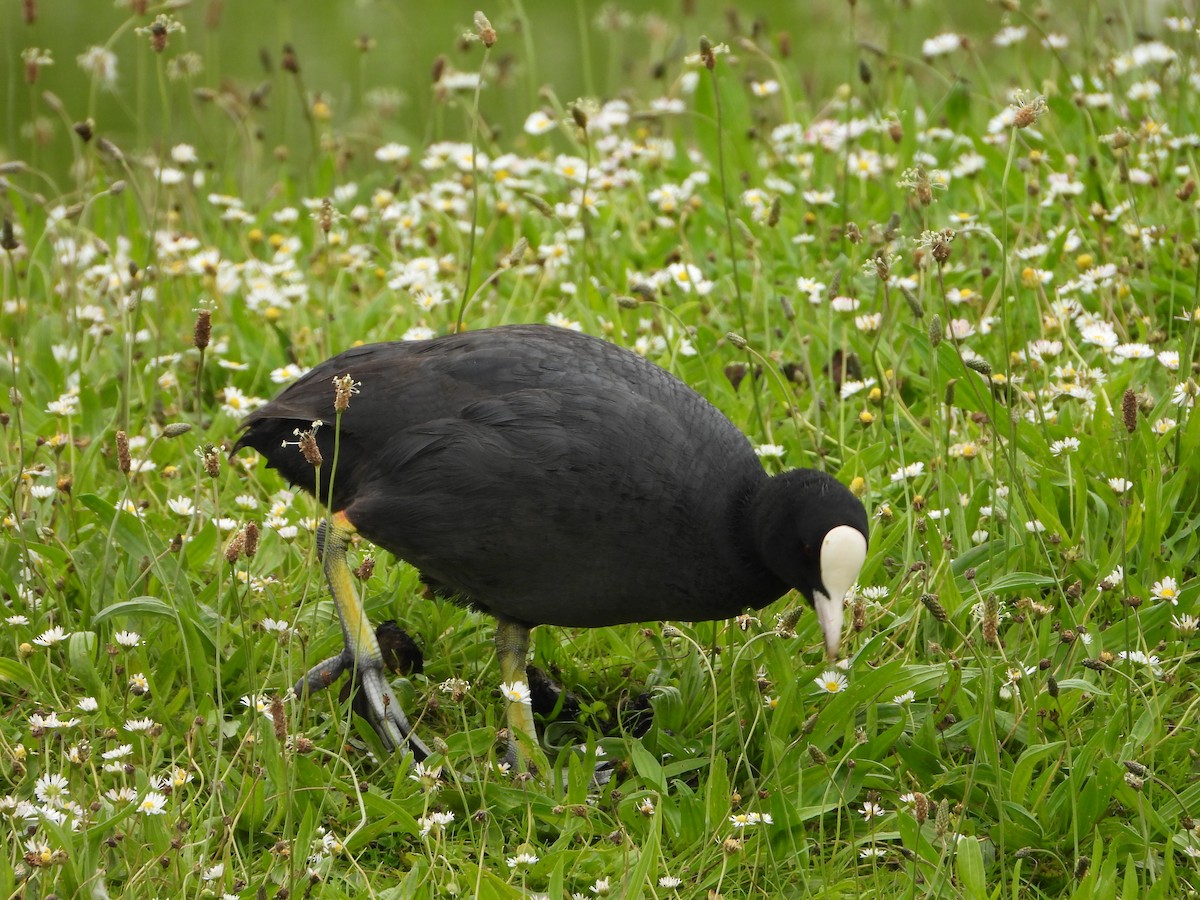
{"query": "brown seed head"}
pixel 991 619
pixel 939 248
pixel 251 545
pixel 920 807
pixel 707 55
pixel 235 547
pixel 8 236
pixel 158 36
pixel 438 69
pixel 1028 110
pixel 1129 410
pixel 883 265
pixel 290 62
pixel 211 459
pixel 124 463
pixel 859 618
pixel 279 719
pixel 202 332
pixel 307 442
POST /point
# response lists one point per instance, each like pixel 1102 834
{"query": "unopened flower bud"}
pixel 935 330
pixel 931 603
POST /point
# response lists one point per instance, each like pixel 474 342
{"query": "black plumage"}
pixel 548 477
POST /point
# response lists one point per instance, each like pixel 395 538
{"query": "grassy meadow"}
pixel 948 253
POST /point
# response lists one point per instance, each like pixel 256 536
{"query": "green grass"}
pixel 1002 732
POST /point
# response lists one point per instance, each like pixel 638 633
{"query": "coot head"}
pixel 811 533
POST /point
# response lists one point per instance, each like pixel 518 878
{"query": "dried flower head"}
pixel 35 58
pixel 937 243
pixel 307 442
pixel 1028 108
pixel 158 31
pixel 211 459
pixel 918 181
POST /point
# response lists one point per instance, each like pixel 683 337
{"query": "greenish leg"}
pixel 361 655
pixel 512 651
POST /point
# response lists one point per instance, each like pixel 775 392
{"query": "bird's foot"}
pixel 377 701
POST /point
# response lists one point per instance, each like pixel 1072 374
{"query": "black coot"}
pixel 550 478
